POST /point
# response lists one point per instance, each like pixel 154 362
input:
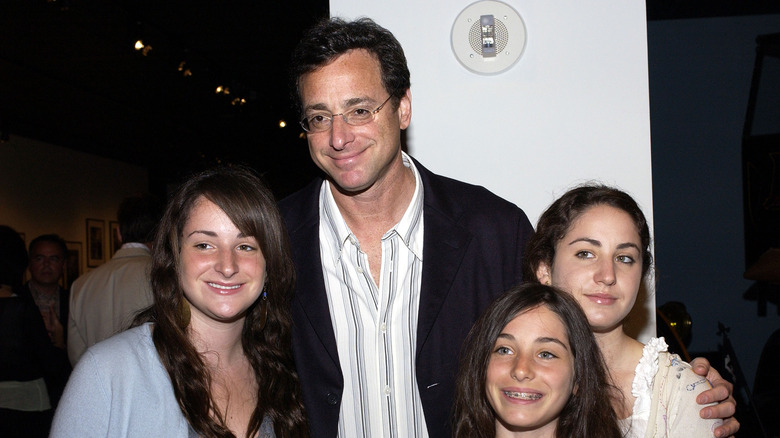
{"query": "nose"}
pixel 606 272
pixel 226 263
pixel 340 133
pixel 523 368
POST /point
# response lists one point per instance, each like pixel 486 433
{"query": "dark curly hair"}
pixel 557 220
pixel 331 38
pixel 587 413
pixel 267 344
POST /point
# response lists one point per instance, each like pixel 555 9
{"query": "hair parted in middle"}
pixel 588 413
pixel 252 208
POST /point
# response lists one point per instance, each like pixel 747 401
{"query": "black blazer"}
pixel 472 251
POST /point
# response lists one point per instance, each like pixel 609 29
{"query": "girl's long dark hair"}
pixel 252 208
pixel 588 413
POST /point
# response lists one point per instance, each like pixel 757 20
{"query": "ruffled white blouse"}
pixel 665 388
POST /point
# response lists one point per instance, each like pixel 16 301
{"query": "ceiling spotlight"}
pixel 185 71
pixel 222 90
pixel 144 49
pixel 238 101
pixel 282 123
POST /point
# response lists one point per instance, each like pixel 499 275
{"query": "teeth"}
pixel 219 286
pixel 523 395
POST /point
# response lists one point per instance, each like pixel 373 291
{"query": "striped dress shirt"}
pixel 375 326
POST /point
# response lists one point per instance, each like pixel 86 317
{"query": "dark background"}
pixel 70 76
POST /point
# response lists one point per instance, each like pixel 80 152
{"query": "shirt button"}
pixel 353 240
pixel 387 390
pixel 383 327
pixel 332 398
pixel 360 270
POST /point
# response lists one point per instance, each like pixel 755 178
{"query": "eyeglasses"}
pixel 356 117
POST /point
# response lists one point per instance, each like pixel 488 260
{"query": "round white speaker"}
pixel 488 37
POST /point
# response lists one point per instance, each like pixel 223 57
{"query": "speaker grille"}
pixel 475 36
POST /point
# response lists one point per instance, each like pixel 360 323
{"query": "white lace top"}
pixel 665 388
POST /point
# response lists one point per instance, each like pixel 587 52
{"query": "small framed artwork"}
pixel 113 238
pixel 72 263
pixel 96 230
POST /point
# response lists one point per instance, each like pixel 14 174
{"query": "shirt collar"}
pixel 409 228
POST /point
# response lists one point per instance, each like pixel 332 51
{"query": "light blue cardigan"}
pixel 120 388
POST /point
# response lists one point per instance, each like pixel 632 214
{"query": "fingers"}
pixel 728 429
pixel 701 366
pixel 724 409
pixel 720 392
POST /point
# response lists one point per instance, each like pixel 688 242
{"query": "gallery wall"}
pixel 49 189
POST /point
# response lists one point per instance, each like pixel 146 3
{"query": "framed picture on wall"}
pixel 72 263
pixel 113 238
pixel 96 231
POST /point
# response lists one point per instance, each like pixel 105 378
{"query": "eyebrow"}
pixel 539 340
pixel 595 242
pixel 347 103
pixel 213 234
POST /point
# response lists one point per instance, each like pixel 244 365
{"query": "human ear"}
pixel 405 109
pixel 543 274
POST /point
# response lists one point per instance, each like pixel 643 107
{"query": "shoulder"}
pixel 301 206
pixel 469 204
pixel 131 345
pixel 679 374
pixel 302 197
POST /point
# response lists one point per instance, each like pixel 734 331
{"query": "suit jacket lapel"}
pixel 444 247
pixel 310 292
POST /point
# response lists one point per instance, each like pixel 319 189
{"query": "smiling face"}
pixel 599 261
pixel 222 271
pixel 530 374
pixel 355 158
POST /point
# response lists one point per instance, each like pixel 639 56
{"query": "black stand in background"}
pixel 750 422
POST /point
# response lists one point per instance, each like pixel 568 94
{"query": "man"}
pixel 47 264
pixel 394 263
pixel 104 301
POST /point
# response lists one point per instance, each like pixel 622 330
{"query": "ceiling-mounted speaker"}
pixel 488 37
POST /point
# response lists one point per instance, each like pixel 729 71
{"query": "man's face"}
pixel 47 263
pixel 356 158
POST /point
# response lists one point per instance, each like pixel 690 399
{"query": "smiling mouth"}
pixel 219 286
pixel 522 395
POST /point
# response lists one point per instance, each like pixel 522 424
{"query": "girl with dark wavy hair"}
pixel 212 356
pixel 594 243
pixel 531 367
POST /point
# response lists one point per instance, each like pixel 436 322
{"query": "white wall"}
pixel 573 109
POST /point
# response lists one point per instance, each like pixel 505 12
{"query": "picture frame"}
pixel 113 238
pixel 96 231
pixel 72 263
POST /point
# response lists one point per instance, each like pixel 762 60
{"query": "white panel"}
pixel 573 109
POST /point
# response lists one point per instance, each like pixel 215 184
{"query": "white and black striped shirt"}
pixel 376 327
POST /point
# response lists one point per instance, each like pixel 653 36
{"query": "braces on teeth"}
pixel 523 395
